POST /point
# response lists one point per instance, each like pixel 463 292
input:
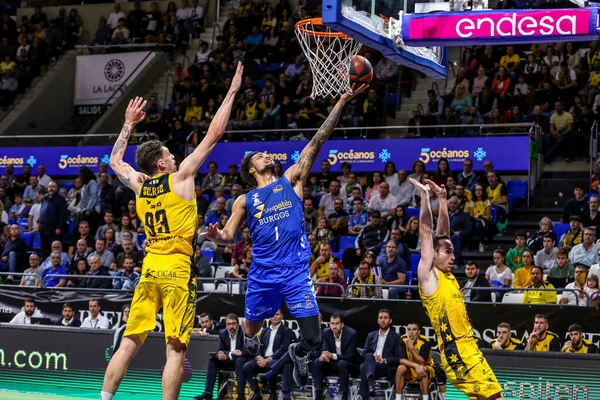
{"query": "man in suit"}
pixel 275 340
pixel 473 279
pixel 208 326
pixel 381 355
pixel 231 354
pixel 338 356
pixel 417 122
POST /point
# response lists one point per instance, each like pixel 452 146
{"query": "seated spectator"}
pixel 381 357
pixel 121 33
pixel 83 233
pixel 562 271
pixel 310 215
pixel 514 255
pixel 497 194
pixel 523 274
pixel 338 356
pixel 383 201
pixel 77 273
pixel 128 272
pixel 535 241
pixel 561 128
pixel 467 177
pixel 577 205
pixel 64 257
pixel 410 236
pixel 275 340
pixel 566 81
pixel 460 227
pixel 239 249
pixel 69 320
pixel 359 218
pixel 481 212
pixel 471 118
pixel 320 267
pixel 586 252
pixel 95 276
pixel 81 252
pixel 214 216
pixel 500 86
pixel 29 311
pixel 240 270
pixel 443 172
pixel 371 238
pixel 546 257
pixel 19 209
pixel 538 282
pixel 33 275
pixel 49 279
pixel 338 220
pixel 504 340
pixel 573 236
pixel 366 277
pixel 416 122
pixel 434 107
pixel 579 298
pixel 511 61
pixel 499 274
pixel 462 100
pixel 322 231
pixel 447 118
pixel 541 339
pixel 416 364
pixel 13 253
pixel 393 270
pixel 95 319
pixel 334 277
pixel 115 16
pixel 106 257
pixel 373 188
pixel 473 279
pixel 577 343
pixel 398 220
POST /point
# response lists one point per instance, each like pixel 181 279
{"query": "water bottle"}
pixel 408 294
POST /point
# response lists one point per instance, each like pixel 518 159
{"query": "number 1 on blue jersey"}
pixel 276 233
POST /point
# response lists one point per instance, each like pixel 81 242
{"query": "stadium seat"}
pixel 590 195
pixel 513 298
pixel 348 275
pixel 27 238
pixel 140 238
pixel 67 186
pixel 516 190
pixel 226 196
pixel 208 253
pixel 23 223
pixel 12 221
pixel 346 242
pixel 207 197
pixel 414 262
pixel 35 244
pixel 392 98
pixel 494 215
pixel 560 229
pixel 412 212
pixel 71 226
pixel 222 271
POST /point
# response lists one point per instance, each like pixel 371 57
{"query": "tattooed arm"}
pixel 298 173
pixel 130 178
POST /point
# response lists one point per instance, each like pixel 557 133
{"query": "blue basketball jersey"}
pixel 274 215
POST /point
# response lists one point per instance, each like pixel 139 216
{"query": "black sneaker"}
pixel 204 396
pixel 252 344
pixel 300 366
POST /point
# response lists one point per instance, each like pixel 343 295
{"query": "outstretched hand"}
pixel 440 191
pixel 135 111
pixel 424 189
pixel 212 233
pixel 356 89
pixel 236 83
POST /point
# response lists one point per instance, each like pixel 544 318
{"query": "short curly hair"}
pixel 147 155
pixel 245 169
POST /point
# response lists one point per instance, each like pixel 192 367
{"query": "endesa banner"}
pixel 499 26
pixel 507 153
pixel 60 161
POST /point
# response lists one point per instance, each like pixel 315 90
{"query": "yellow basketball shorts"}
pixel 166 282
pixel 411 374
pixel 468 370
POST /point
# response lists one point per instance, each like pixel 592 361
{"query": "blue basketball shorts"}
pixel 268 286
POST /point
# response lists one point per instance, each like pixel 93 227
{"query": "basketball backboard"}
pixel 372 22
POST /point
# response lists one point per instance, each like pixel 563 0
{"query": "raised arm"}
pixel 300 171
pixel 190 166
pixel 443 225
pixel 126 174
pixel 224 236
pixel 425 271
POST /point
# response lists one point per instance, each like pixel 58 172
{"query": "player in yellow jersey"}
pixel 466 368
pixel 166 204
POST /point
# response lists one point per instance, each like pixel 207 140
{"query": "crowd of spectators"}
pixel 277 84
pixel 555 86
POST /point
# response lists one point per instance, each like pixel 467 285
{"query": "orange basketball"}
pixel 361 70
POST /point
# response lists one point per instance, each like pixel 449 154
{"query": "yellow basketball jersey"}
pixel 422 340
pixel 169 221
pixel 447 311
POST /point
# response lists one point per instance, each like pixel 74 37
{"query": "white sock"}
pixel 442 395
pixel 106 396
pixel 425 397
pixel 398 396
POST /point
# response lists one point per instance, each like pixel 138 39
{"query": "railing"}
pixel 594 146
pixel 71 276
pixel 217 27
pixel 535 160
pixel 519 290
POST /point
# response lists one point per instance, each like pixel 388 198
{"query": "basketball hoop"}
pixel 329 54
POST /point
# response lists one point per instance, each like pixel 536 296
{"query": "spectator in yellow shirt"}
pixel 561 127
pixel 523 277
pixel 539 296
pixel 512 62
pixel 590 90
pixel 194 110
pixel 8 65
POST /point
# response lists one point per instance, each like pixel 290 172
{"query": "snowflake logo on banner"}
pixel 385 155
pixel 295 156
pixel 479 154
pixel 31 161
pixel 105 159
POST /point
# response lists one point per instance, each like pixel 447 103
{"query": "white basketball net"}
pixel 329 54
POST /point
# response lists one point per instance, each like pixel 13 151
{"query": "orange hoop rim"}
pixel 300 26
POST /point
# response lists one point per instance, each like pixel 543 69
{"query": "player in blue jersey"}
pixel 280 249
